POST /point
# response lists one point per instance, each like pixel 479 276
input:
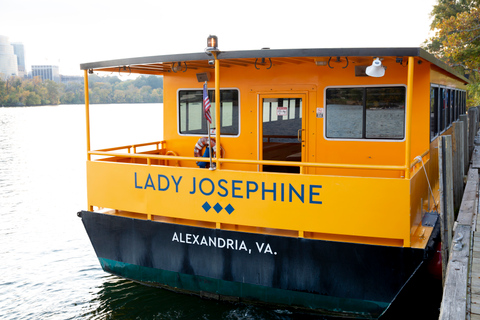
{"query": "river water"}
pixel 48 269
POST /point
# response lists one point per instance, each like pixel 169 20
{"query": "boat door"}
pixel 281 130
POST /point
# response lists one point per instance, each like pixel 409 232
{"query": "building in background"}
pixel 46 72
pixel 19 51
pixel 8 59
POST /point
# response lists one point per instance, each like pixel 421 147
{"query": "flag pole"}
pixel 209 136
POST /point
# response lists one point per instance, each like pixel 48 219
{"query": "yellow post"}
pixel 87 117
pixel 217 109
pixel 87 111
pixel 408 140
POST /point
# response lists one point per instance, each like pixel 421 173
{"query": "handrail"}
pixel 256 162
pixel 418 161
pixel 315 164
pixel 134 146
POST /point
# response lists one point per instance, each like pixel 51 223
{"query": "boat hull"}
pixel 330 277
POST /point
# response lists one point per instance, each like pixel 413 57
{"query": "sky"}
pixel 69 32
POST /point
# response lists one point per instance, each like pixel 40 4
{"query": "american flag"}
pixel 206 104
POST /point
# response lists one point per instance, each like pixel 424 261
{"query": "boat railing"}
pixel 135 146
pixel 160 155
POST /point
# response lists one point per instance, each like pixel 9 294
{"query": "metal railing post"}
pixel 408 140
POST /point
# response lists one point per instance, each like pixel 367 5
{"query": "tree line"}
pixel 456 24
pixel 16 91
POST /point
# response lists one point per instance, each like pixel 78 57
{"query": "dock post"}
pixel 466 159
pixel 446 197
pixel 458 165
pixel 472 128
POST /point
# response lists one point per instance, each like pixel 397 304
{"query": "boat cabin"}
pixel 327 144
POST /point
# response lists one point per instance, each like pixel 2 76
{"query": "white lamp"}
pixel 376 69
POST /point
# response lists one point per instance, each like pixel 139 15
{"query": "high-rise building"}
pixel 19 51
pixel 46 72
pixel 8 60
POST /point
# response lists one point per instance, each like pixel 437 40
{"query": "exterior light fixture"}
pixel 376 70
pixel 212 43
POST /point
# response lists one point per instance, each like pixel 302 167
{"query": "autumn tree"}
pixel 457 39
pixel 444 10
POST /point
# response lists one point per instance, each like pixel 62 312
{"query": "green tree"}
pixel 15 91
pixel 3 91
pixel 443 10
pixel 32 99
pixel 54 91
pixel 457 39
pixel 155 82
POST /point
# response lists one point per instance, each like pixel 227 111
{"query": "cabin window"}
pixel 365 112
pixel 434 111
pixel 446 106
pixel 192 120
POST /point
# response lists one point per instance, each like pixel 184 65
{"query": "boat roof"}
pixel 162 64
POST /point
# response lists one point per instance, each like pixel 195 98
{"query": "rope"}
pixel 420 159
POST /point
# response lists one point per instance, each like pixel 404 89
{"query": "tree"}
pixel 16 91
pixel 461 39
pixel 457 39
pixel 3 91
pixel 444 10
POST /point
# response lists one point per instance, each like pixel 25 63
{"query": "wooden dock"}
pixel 461 294
pixel 461 238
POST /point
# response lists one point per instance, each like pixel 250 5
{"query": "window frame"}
pixel 206 133
pixel 364 114
pixel 455 106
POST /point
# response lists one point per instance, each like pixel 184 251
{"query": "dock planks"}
pixel 461 295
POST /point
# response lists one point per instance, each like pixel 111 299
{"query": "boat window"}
pixel 191 119
pixel 434 112
pixel 365 112
pixel 446 106
pixel 448 111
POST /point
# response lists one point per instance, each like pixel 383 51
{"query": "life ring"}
pixel 202 143
pixel 198 150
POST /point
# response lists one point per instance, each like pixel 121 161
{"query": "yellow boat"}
pixel 316 192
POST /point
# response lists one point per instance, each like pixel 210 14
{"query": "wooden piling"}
pixel 446 197
pixel 466 158
pixel 472 128
pixel 458 166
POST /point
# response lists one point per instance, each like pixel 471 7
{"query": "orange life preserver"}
pixel 202 143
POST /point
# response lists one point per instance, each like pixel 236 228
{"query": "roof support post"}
pixel 87 111
pixel 217 110
pixel 408 136
pixel 87 117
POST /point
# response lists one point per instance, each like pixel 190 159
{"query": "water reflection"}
pixel 124 300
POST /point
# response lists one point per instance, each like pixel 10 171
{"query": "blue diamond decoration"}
pixel 218 207
pixel 206 206
pixel 229 209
